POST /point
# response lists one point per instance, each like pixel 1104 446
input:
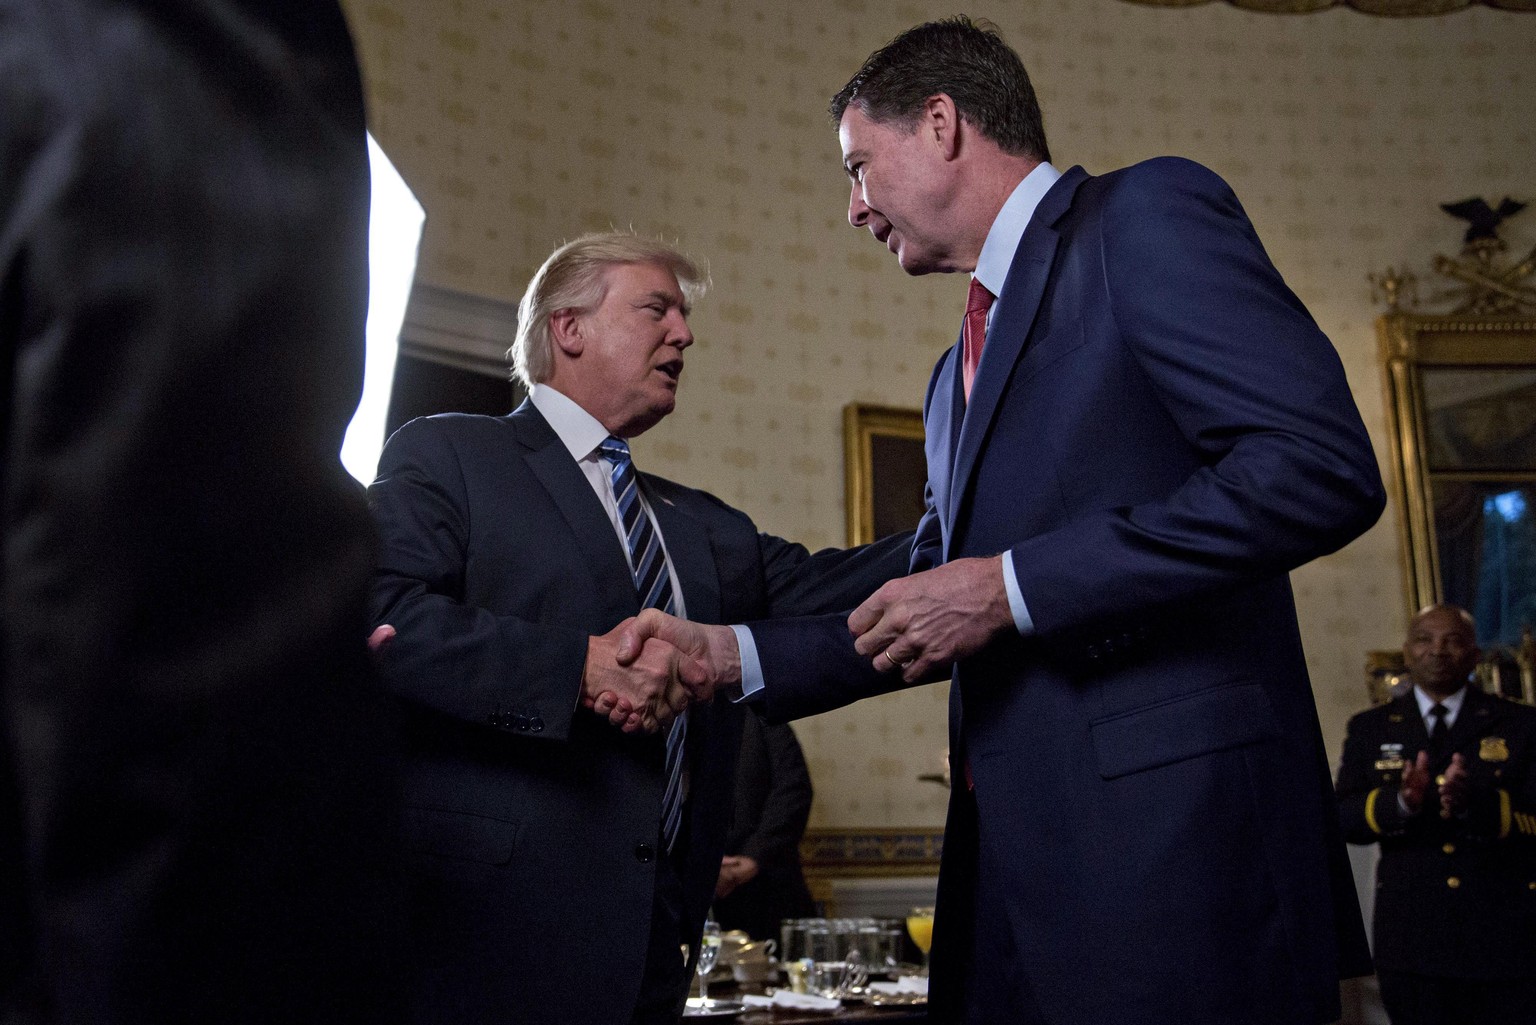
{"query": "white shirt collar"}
pixel 1008 228
pixel 578 430
pixel 1452 705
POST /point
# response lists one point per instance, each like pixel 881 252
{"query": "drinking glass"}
pixel 792 939
pixel 920 928
pixel 892 947
pixel 709 951
pixel 820 941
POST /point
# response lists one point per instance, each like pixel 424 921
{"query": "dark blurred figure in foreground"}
pixel 761 882
pixel 1444 778
pixel 195 785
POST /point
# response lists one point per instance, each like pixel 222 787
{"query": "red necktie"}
pixel 974 334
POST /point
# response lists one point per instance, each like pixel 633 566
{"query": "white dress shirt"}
pixel 992 268
pixel 581 434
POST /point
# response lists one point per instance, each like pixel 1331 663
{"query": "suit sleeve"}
pixel 831 581
pixel 809 664
pixel 463 661
pixel 1287 471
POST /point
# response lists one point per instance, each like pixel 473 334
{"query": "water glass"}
pixel 709 952
pixel 820 940
pixel 792 939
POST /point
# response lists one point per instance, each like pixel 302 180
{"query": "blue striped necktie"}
pixel 653 584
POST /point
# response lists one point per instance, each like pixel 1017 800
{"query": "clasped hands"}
pixel 644 672
pixel 1452 785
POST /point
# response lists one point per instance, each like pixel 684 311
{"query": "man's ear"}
pixel 941 121
pixel 565 327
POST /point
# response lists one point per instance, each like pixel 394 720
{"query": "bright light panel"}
pixel 394 235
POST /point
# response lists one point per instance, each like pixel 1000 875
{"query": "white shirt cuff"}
pixel 751 665
pixel 1021 618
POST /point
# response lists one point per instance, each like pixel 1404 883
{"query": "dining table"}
pixel 850 1012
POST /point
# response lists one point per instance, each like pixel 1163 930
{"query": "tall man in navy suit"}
pixel 1139 434
pixel 554 877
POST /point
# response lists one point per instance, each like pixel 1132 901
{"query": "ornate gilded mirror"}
pixel 1461 401
pixel 1461 407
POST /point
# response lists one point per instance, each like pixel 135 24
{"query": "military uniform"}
pixel 1455 897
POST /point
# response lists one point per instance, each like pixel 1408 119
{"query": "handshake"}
pixel 646 671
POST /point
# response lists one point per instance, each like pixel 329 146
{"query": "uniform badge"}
pixel 1391 759
pixel 1394 717
pixel 1493 749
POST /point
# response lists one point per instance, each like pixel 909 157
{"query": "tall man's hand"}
pixel 708 655
pixel 931 619
pixel 646 691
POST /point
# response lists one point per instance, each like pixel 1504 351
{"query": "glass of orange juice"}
pixel 920 928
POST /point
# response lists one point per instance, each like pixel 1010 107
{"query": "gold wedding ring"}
pixel 892 660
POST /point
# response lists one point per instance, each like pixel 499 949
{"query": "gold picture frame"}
pixel 886 470
pixel 1415 348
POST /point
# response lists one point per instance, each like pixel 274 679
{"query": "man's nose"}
pixel 681 335
pixel 858 210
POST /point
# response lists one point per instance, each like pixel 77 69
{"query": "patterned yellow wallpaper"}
pixel 523 122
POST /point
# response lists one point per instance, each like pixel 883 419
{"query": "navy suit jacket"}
pixel 1158 432
pixel 533 824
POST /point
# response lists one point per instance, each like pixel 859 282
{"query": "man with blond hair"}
pixel 559 861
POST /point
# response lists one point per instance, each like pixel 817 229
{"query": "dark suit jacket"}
pixel 1454 897
pixel 773 804
pixel 196 803
pixel 1158 432
pixel 533 823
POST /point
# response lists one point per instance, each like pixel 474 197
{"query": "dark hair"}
pixel 966 60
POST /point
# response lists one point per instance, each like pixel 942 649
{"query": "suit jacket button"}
pixel 1453 882
pixel 645 853
pixel 1449 848
pixel 520 723
pixel 1094 652
pixel 535 724
pixel 494 719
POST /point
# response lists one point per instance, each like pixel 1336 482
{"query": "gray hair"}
pixel 575 277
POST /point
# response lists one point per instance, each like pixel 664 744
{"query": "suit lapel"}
pixel 1008 337
pixel 597 544
pixel 687 543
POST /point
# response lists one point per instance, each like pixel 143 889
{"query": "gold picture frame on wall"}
pixel 886 470
pixel 1478 368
